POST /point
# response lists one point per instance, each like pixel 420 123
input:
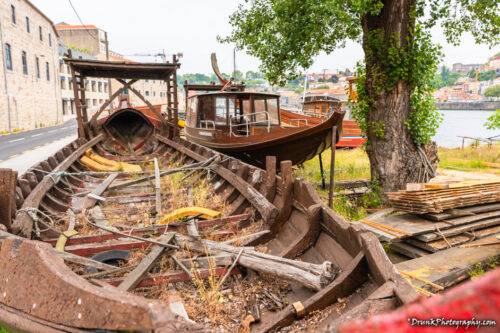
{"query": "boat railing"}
pixel 206 123
pixel 246 122
pixel 298 121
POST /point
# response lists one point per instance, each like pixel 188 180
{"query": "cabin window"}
pixel 191 112
pixel 220 111
pixel 27 24
pixel 266 108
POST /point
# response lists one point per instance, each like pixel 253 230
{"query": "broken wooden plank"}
pixel 450 266
pixel 155 229
pixel 447 242
pixel 458 230
pixel 175 276
pixel 348 280
pixel 134 277
pixel 310 275
pixel 413 225
pixel 157 188
pixel 90 199
pixel 466 211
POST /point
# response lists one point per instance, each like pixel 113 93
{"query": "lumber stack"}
pixel 438 197
pixel 416 236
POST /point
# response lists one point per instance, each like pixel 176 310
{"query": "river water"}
pixel 463 123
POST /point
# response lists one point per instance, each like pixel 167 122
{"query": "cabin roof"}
pixel 235 93
pixel 122 69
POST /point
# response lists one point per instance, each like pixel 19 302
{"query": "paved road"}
pixel 14 144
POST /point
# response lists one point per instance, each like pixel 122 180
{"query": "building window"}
pixel 147 92
pixel 105 87
pixel 61 67
pixel 99 86
pixel 13 13
pixel 63 82
pixel 24 61
pixel 94 102
pixel 37 67
pixel 47 71
pixel 40 33
pixel 93 85
pixel 8 57
pixel 28 24
pixel 50 39
pixel 65 107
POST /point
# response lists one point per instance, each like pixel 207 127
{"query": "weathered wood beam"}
pixel 157 188
pixel 344 284
pixel 90 200
pixel 133 278
pixel 7 189
pixel 312 276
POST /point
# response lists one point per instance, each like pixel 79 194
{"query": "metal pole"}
pixel 332 167
pixel 323 182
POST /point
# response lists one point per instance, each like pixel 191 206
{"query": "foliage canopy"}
pixel 286 35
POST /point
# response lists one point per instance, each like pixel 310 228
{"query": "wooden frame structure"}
pixel 126 73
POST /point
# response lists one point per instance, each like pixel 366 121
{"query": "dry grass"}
pixel 471 158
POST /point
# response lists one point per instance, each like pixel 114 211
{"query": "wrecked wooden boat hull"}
pixel 301 227
pixel 52 280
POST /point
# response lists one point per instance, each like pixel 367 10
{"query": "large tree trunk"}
pixel 395 160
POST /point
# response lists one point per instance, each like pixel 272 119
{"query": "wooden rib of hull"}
pixel 300 227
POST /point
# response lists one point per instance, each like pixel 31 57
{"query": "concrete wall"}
pixel 475 105
pixel 26 101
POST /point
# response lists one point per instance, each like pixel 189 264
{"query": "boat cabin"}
pixel 236 113
pixel 320 105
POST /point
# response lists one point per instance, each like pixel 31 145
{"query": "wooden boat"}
pixel 248 126
pixel 87 249
pixel 316 109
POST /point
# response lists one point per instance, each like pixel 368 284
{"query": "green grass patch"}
pixel 354 165
pixel 471 158
pixel 349 165
pixel 3 330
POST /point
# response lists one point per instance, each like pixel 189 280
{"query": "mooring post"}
pixel 332 167
pixel 323 182
pixel 7 193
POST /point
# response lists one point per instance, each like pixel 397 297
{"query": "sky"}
pixel 192 26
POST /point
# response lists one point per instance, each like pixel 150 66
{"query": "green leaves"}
pixel 493 121
pixel 287 34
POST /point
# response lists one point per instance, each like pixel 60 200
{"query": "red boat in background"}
pixel 316 109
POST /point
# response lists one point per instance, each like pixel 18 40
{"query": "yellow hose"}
pixel 188 212
pixel 98 163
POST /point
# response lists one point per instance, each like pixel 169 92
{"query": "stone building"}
pixel 94 41
pixel 96 89
pixel 29 89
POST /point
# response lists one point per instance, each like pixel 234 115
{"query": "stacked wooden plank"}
pixel 419 235
pixel 438 197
